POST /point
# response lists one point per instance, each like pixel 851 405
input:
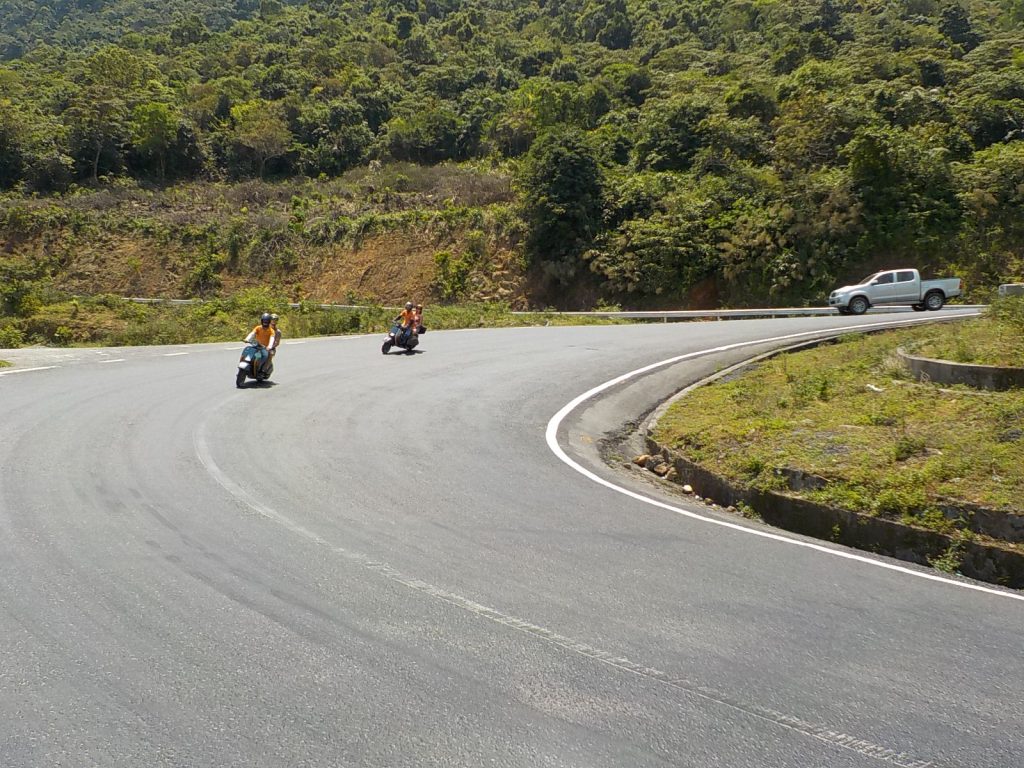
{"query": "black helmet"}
pixel 265 318
pixel 408 305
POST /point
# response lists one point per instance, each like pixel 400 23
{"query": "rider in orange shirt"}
pixel 265 336
pixel 407 320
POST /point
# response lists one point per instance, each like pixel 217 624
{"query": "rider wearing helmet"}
pixel 418 323
pixel 264 336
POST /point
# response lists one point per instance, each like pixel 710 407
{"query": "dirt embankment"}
pixel 442 234
pixel 386 268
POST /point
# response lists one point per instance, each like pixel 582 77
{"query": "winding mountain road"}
pixel 380 561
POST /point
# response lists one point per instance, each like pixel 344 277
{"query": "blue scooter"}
pixel 404 338
pixel 251 365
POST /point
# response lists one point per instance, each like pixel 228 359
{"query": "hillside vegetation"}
pixel 694 152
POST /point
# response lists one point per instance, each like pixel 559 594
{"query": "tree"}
pixel 404 25
pixel 607 23
pixel 991 188
pixel 334 135
pixel 12 164
pixel 906 191
pixel 957 27
pixel 427 135
pixel 118 69
pixel 562 199
pixel 812 129
pixel 261 128
pixel 154 129
pixel 98 124
pixel 189 30
pixel 669 134
pixel 32 150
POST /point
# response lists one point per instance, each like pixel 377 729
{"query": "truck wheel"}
pixel 858 305
pixel 934 300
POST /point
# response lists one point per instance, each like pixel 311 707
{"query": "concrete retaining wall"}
pixel 887 537
pixel 1011 289
pixel 990 377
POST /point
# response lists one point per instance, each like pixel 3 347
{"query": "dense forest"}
pixel 762 149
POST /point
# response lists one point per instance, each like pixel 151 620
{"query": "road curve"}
pixel 378 561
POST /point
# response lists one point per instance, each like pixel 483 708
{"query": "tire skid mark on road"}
pixel 780 719
pixel 551 435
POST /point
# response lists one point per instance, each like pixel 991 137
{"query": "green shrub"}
pixel 900 499
pixel 204 276
pixel 11 337
pixel 752 467
pixel 907 447
pixel 252 302
pixel 951 560
pixel 451 275
pixel 814 387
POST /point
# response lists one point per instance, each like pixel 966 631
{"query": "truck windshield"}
pixel 869 278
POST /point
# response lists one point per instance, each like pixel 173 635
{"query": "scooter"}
pixel 250 364
pixel 403 338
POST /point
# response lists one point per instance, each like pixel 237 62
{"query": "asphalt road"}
pixel 379 561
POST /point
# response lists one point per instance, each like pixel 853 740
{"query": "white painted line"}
pixel 115 360
pixel 174 354
pixel 551 436
pixel 617 661
pixel 293 342
pixel 26 370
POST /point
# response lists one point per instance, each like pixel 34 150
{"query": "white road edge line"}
pixel 551 436
pixel 174 354
pixel 115 360
pixel 26 370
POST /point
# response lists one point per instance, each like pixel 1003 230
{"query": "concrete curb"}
pixel 994 378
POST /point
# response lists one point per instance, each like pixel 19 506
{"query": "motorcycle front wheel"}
pixel 386 346
pixel 240 378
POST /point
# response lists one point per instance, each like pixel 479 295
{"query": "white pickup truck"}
pixel 894 286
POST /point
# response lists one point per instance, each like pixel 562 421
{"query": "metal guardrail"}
pixel 735 314
pixel 663 315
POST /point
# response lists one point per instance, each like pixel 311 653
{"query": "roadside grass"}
pixel 4 364
pixel 848 413
pixel 997 338
pixel 113 321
